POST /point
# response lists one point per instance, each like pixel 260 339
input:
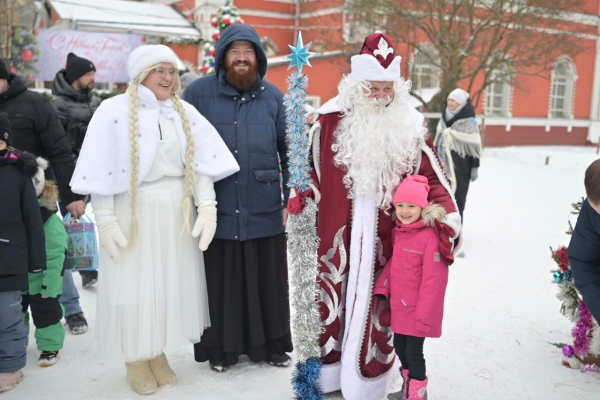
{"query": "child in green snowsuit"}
pixel 46 288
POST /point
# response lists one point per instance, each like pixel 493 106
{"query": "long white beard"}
pixel 377 142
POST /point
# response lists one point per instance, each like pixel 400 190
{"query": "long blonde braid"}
pixel 190 175
pixel 133 153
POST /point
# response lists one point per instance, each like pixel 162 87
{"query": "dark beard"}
pixel 242 82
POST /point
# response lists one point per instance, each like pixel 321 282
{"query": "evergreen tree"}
pixel 227 15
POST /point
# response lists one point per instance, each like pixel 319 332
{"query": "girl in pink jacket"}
pixel 415 281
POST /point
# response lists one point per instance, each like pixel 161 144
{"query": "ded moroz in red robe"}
pixel 355 243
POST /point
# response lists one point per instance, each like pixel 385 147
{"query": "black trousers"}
pixel 410 352
pixel 587 281
pixel 248 300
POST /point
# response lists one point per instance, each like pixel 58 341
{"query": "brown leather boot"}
pixel 140 377
pixel 165 377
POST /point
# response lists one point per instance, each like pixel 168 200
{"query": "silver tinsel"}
pixel 302 258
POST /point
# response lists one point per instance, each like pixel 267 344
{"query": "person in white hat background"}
pixel 458 144
pixel 365 142
pixel 147 159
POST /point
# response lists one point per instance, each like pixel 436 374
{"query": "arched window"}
pixel 425 70
pixel 562 89
pixel 497 99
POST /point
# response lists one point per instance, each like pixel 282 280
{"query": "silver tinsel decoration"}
pixel 302 257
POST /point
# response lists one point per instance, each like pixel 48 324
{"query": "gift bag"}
pixel 82 246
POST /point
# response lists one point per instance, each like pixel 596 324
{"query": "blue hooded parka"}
pixel 252 124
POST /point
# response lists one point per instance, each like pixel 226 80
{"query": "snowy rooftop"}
pixel 123 16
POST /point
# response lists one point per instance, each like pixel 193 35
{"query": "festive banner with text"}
pixel 108 51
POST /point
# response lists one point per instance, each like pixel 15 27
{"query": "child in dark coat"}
pixel 584 249
pixel 22 252
pixel 415 281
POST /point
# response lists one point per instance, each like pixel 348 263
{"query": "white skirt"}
pixel 154 299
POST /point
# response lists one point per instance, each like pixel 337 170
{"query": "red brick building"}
pixel 561 107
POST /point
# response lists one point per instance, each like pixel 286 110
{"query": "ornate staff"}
pixel 302 234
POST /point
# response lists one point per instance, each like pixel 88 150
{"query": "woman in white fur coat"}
pixel 146 157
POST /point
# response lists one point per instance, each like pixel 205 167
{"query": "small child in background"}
pixel 46 288
pixel 415 281
pixel 22 253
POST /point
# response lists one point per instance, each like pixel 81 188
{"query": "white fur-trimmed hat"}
pixel 377 60
pixel 148 55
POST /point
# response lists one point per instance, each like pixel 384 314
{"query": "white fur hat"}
pixel 148 55
pixel 39 180
pixel 377 60
pixel 460 96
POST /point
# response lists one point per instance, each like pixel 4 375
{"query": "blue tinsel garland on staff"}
pixel 302 237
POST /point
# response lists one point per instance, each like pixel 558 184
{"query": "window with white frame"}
pixel 425 72
pixel 497 99
pixel 563 79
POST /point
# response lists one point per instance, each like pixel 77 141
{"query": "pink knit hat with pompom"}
pixel 413 189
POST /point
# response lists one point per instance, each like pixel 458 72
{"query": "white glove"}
pixel 474 174
pixel 111 236
pixel 205 226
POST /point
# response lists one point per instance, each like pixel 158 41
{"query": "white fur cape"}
pixel 103 166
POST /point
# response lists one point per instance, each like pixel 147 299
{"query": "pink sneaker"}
pixel 417 390
pixel 8 380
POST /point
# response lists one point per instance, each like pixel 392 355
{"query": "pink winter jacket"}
pixel 415 278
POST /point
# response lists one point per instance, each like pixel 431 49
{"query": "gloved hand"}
pixel 474 174
pixel 205 226
pixel 297 200
pixel 111 236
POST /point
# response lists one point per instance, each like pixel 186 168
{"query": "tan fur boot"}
pixel 140 377
pixel 162 371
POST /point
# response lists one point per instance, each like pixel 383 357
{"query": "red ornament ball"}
pixel 205 69
pixel 213 22
pixel 212 52
pixel 27 55
pixel 13 70
pixel 240 21
pixel 216 36
pixel 226 20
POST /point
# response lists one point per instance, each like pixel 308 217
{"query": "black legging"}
pixel 410 352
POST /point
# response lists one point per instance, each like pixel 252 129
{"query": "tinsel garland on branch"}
pixel 585 351
pixel 303 241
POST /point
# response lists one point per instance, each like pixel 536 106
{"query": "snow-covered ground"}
pixel 501 311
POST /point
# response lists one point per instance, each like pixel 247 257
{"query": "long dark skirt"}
pixel 248 300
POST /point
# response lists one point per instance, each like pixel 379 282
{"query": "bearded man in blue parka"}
pixel 246 266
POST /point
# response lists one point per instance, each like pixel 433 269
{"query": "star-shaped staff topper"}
pixel 300 54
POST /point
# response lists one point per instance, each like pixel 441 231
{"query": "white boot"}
pixel 140 377
pixel 165 377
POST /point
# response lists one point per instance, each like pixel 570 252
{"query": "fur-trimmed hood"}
pixel 433 212
pixel 49 196
pixel 23 160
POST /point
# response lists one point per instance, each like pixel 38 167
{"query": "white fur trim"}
pixel 358 301
pixel 365 67
pixel 452 219
pixel 148 55
pixel 314 139
pixel 329 380
pixel 39 179
pixel 331 106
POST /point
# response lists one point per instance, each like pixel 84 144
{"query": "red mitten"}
pixel 297 200
pixel 446 236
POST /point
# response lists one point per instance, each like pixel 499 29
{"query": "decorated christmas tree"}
pixel 584 353
pixel 227 15
pixel 23 53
